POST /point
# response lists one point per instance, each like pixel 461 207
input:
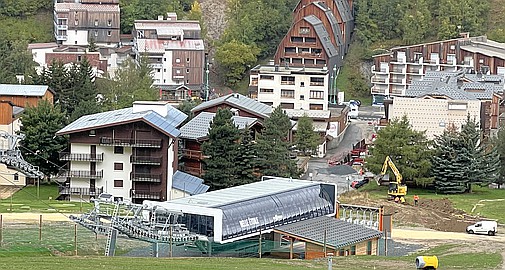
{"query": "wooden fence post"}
pixel 40 228
pixel 75 239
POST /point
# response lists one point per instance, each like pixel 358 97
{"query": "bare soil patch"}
pixel 436 214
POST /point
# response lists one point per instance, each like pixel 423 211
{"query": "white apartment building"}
pixel 299 88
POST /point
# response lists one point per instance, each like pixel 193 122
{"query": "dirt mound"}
pixel 436 214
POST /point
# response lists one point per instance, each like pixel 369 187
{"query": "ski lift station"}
pixel 241 212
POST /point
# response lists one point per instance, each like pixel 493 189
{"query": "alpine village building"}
pixel 130 153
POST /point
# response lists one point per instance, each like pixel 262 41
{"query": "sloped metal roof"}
pixel 345 10
pixel 295 113
pixel 239 101
pixel 333 21
pixel 246 192
pixel 339 233
pixel 323 35
pixel 23 90
pixel 317 125
pixel 198 127
pixel 188 183
pixel 117 117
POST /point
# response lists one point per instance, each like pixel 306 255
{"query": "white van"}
pixel 483 227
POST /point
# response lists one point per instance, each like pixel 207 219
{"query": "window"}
pixel 369 248
pixel 118 150
pixel 158 70
pixel 353 250
pixel 296 39
pixel 302 84
pixel 341 252
pixel 287 80
pixel 304 50
pixel 266 77
pixel 296 60
pixel 316 81
pixel 320 62
pixel 109 33
pixel 79 58
pixel 304 30
pixel 316 94
pixel 92 132
pixel 187 70
pixel 109 23
pixel 75 42
pixel 302 97
pixel 285 93
pixel 164 59
pixel 96 33
pixel 164 70
pixel 187 59
pixel 76 23
pixel 118 166
pixel 310 39
pixel 287 105
pixel 290 49
pixel 96 22
pixel 16 177
pixel 264 90
pixel 177 71
pixel 177 60
pixel 118 183
pixel 187 81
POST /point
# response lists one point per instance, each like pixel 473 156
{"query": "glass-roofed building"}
pixel 240 212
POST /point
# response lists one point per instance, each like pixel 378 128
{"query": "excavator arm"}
pixel 396 188
pixel 389 162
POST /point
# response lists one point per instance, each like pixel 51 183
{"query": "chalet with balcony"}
pixel 176 52
pixel 395 71
pixel 195 133
pixel 77 22
pixel 319 35
pixel 130 153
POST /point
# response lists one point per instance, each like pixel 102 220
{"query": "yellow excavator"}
pixel 396 188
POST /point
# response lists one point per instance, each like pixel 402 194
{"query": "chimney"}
pixel 171 16
pixel 160 18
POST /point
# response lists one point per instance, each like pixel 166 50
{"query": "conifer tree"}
pixel 246 159
pixel 272 147
pixel 306 139
pixel 222 149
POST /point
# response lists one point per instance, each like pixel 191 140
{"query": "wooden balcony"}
pixel 80 191
pixel 130 142
pixel 146 177
pixel 147 195
pixel 145 160
pixel 81 157
pixel 82 174
pixel 193 171
pixel 192 154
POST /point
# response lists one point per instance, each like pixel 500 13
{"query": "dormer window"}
pixel 109 23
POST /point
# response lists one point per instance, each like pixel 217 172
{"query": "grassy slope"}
pixel 26 200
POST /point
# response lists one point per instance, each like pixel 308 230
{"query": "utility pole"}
pixel 334 85
pixel 207 81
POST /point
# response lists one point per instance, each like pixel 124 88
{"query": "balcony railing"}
pixel 376 79
pixel 287 82
pixel 61 26
pixel 146 177
pixel 82 174
pixel 80 191
pixel 59 37
pixel 81 157
pixel 378 90
pixel 192 154
pixel 130 142
pixel 145 160
pixel 149 195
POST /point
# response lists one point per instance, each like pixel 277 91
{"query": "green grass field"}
pixel 485 202
pixel 26 201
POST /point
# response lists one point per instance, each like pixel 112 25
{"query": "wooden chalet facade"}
pixel 21 96
pixel 319 35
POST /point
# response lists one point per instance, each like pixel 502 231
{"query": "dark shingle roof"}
pixel 188 183
pixel 322 34
pixel 339 233
pixel 198 127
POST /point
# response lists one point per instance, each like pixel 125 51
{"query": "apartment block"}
pixel 300 88
pixel 130 153
pixel 444 99
pixel 395 71
pixel 175 50
pixel 78 22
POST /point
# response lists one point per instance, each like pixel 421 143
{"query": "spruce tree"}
pixel 272 147
pixel 221 149
pixel 448 165
pixel 246 159
pixel 306 139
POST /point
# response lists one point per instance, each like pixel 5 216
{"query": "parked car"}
pixel 483 227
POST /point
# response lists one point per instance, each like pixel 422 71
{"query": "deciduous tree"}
pixel 306 139
pixel 234 58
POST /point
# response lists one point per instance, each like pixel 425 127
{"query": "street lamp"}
pixel 207 81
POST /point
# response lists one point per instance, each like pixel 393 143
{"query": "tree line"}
pixel 451 163
pixel 235 157
pixel 414 21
